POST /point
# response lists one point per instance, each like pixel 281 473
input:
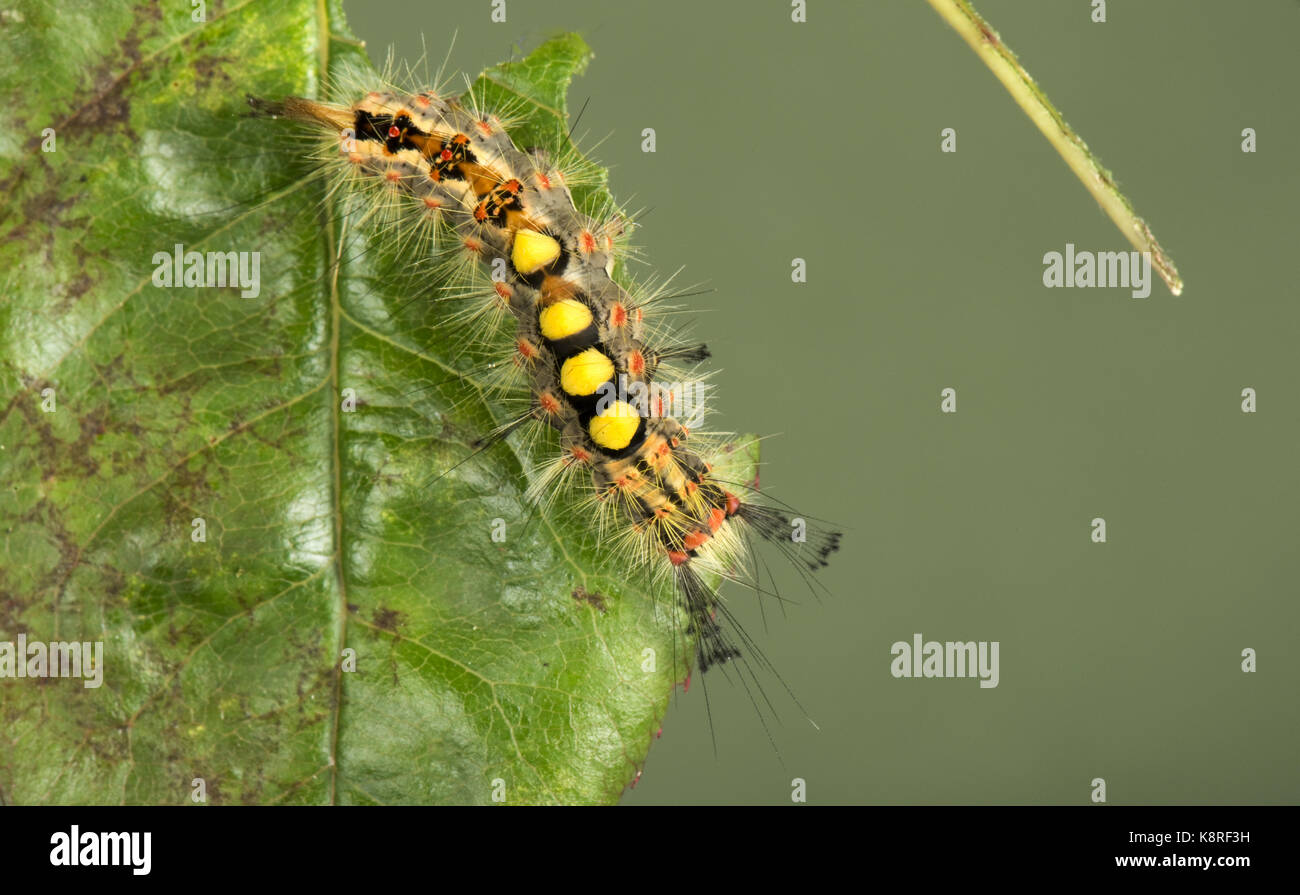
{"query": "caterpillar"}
pixel 443 175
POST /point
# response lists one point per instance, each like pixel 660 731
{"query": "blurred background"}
pixel 821 141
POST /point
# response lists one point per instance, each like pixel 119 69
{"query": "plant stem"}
pixel 1087 167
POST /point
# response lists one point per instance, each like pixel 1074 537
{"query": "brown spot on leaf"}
pixel 388 619
pixel 592 599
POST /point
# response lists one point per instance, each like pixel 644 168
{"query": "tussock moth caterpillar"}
pixel 568 345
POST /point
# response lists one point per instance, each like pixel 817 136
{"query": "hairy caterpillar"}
pixel 444 177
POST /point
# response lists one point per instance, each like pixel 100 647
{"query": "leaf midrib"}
pixel 323 37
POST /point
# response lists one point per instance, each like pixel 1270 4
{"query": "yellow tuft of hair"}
pixel 532 251
pixel 585 372
pixel 565 318
pixel 615 426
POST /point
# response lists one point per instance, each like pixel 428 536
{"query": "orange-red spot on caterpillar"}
pixel 676 557
pixel 674 441
pixel 581 455
pixel 716 518
pixel 445 155
pixel 664 512
pixel 692 487
pixel 503 290
pixel 484 127
pixel 695 540
pixel 392 175
pixel 586 242
pixel 639 315
pixel 473 245
pixel 355 158
pixel 548 403
pixel 636 366
pixel 480 213
pixel 663 450
pixel 733 503
pixel 422 101
pixel 430 202
pixel 617 314
pixel 393 131
pixel 543 182
pixel 526 349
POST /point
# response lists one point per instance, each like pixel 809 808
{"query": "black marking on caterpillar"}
pixel 578 334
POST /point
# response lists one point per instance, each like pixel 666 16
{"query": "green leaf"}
pixel 326 530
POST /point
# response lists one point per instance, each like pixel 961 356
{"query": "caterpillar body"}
pixel 446 172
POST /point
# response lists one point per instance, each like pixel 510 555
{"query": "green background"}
pixel 821 141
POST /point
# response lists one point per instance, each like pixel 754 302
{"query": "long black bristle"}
pixel 779 528
pixel 691 354
pixel 265 108
pixel 712 646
